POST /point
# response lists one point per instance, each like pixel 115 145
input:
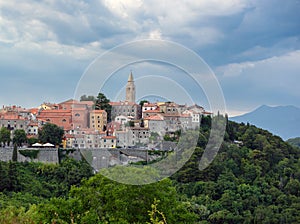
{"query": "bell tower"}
pixel 130 89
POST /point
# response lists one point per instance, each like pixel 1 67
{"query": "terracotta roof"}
pixel 55 111
pixel 152 111
pixel 34 110
pixel 154 118
pixel 206 112
pixel 12 117
pixel 69 136
pixel 109 137
pixel 32 123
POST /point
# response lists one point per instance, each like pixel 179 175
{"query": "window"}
pixel 77 115
pixel 64 120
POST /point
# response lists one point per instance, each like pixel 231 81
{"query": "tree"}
pixel 102 103
pixel 19 137
pixel 87 98
pixel 15 154
pixel 5 136
pixel 31 141
pixel 51 133
pixel 3 176
pixel 142 102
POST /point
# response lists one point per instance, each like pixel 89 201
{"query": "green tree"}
pixel 87 98
pixel 31 141
pixel 51 133
pixel 19 137
pixel 4 136
pixel 3 176
pixel 13 181
pixel 102 103
pixel 142 102
pixel 15 154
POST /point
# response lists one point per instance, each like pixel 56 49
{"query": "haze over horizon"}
pixel 253 47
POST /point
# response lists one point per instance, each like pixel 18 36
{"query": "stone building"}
pixel 128 107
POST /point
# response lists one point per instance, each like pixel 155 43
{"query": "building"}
pixel 61 118
pixel 12 121
pixel 32 129
pixel 80 112
pixel 112 127
pixel 123 120
pixel 149 106
pixel 130 89
pixel 149 113
pixel 128 109
pixel 169 108
pixel 98 120
pixel 108 142
pixel 196 118
pixel 156 124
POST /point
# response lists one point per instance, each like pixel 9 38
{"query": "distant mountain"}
pixel 294 141
pixel 281 120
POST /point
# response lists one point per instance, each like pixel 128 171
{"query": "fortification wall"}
pixel 45 155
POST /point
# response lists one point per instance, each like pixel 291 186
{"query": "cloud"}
pixel 267 81
pixel 250 43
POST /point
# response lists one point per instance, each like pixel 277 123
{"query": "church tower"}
pixel 130 89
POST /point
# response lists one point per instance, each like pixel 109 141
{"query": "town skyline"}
pixel 252 46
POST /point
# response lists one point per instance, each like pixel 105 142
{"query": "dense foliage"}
pixel 102 103
pixel 51 133
pixel 255 178
pixel 23 184
pixel 5 136
pixel 19 137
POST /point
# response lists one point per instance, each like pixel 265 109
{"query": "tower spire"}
pixel 130 77
pixel 130 89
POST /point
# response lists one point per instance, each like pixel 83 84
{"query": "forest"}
pixel 254 181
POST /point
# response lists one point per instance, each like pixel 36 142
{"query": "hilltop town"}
pixel 127 124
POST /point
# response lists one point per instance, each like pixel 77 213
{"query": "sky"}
pixel 251 47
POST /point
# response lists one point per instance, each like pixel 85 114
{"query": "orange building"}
pixel 62 118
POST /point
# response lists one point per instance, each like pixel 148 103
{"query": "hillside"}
pixel 283 121
pixel 256 181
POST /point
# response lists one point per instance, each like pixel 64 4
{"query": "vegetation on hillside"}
pixel 255 178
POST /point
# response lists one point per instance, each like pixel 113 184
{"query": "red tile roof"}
pixel 154 118
pixel 109 137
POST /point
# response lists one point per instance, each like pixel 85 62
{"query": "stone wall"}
pixel 45 155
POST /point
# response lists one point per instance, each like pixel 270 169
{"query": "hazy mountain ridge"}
pixel 280 120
